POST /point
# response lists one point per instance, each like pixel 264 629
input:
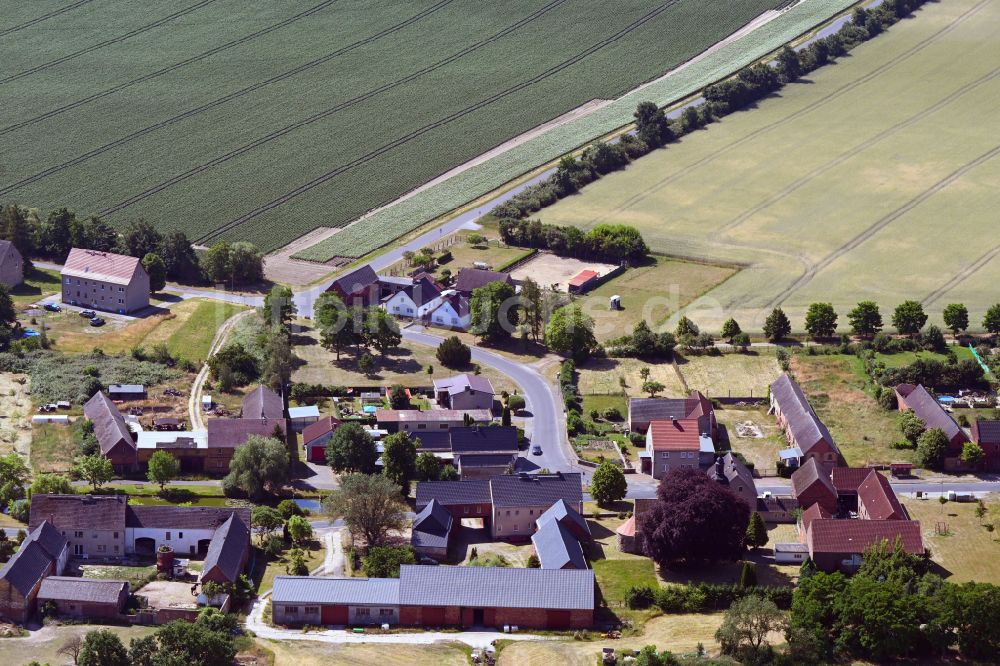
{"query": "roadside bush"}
pixel 515 402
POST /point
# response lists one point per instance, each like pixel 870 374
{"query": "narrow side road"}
pixel 194 400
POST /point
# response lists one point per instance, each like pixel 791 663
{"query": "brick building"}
pixel 84 598
pixel 802 427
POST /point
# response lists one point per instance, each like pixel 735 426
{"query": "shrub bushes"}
pixel 702 598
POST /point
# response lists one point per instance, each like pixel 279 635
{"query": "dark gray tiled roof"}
pixel 88 590
pixel 986 431
pixel 95 512
pixel 496 587
pixel 358 279
pixel 484 439
pixel 109 424
pixel 453 492
pixel 263 403
pixel 314 590
pixel 536 489
pixel 49 538
pixel 733 470
pixel 431 527
pixel 470 279
pixel 556 547
pixel 26 567
pixel 182 517
pixel 930 411
pixel 422 291
pixel 565 514
pixel 806 427
pixel 227 548
pixel 485 459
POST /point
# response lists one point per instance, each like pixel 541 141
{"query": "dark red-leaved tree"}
pixel 695 520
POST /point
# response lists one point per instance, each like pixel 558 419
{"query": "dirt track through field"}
pixel 108 42
pixel 882 223
pixel 819 103
pixel 44 17
pixel 962 276
pixel 117 143
pixel 166 70
pixel 330 175
pixel 857 150
pixel 271 136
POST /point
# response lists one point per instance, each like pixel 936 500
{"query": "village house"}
pixel 470 279
pixel 453 311
pixel 415 420
pixel 803 429
pixel 415 301
pixel 642 411
pixel 476 452
pixel 360 287
pixel 316 436
pixel 730 471
pixel 44 552
pixel 94 525
pixel 811 484
pixel 262 403
pixel 928 410
pixel 677 443
pixel 104 281
pixel 429 596
pixel 464 391
pixel 558 538
pixel 986 433
pixel 112 433
pixel 11 265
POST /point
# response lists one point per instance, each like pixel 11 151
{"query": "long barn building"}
pixel 438 596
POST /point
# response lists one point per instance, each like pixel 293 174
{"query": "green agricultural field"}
pixel 262 121
pixel 876 178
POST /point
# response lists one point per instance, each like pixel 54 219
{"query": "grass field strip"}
pixel 221 100
pixel 817 104
pixel 330 111
pixel 108 42
pixel 357 240
pixel 229 226
pixel 43 17
pixel 166 70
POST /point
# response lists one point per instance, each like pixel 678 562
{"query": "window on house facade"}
pixel 101 548
pixel 168 536
pixel 116 535
pixel 292 610
pixel 311 610
pixel 515 528
pixel 78 535
pixel 180 535
pixel 362 612
pixel 421 426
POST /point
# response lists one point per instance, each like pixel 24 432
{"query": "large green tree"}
pixel 865 319
pixel 776 326
pixel 608 483
pixel 371 506
pixel 495 314
pixel 140 238
pixel 909 317
pixel 381 330
pixel 102 648
pixel 956 317
pixel 932 447
pixel 259 467
pixel 453 353
pixel 730 329
pixel 179 257
pixel 384 561
pixel 428 467
pixel 279 306
pixel 533 306
pixel 351 449
pixel 991 321
pixel 339 326
pixel 745 628
pixel 821 320
pixel 756 531
pixel 157 271
pixel 95 470
pixel 399 460
pixel 162 468
pixel 570 332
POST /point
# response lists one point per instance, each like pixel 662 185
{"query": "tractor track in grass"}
pixel 882 223
pixel 166 70
pixel 962 276
pixel 108 42
pixel 242 92
pixel 858 149
pixel 321 180
pixel 711 157
pixel 287 129
pixel 43 17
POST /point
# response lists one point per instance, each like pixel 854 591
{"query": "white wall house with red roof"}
pixel 104 281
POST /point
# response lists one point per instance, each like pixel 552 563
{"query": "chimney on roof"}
pixel 720 466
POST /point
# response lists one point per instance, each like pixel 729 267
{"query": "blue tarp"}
pixel 30 333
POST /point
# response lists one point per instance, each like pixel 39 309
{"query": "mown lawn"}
pixel 602 376
pixel 38 283
pixel 263 574
pixel 52 448
pixel 964 549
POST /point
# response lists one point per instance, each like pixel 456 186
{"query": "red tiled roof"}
pixel 808 476
pixel 854 536
pixel 676 435
pixel 319 428
pixel 878 499
pixel 582 278
pixel 627 528
pixel 816 511
pixel 847 479
pixel 103 266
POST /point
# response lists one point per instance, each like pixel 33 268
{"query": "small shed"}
pixel 790 553
pixel 300 417
pixel 791 456
pixel 127 392
pixel 166 423
pixel 60 419
pixel 582 281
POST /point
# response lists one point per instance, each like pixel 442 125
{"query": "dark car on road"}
pixel 97 321
pixel 536 450
pixel 52 307
pixel 89 314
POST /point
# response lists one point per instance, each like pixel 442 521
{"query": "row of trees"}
pixel 605 242
pixel 169 256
